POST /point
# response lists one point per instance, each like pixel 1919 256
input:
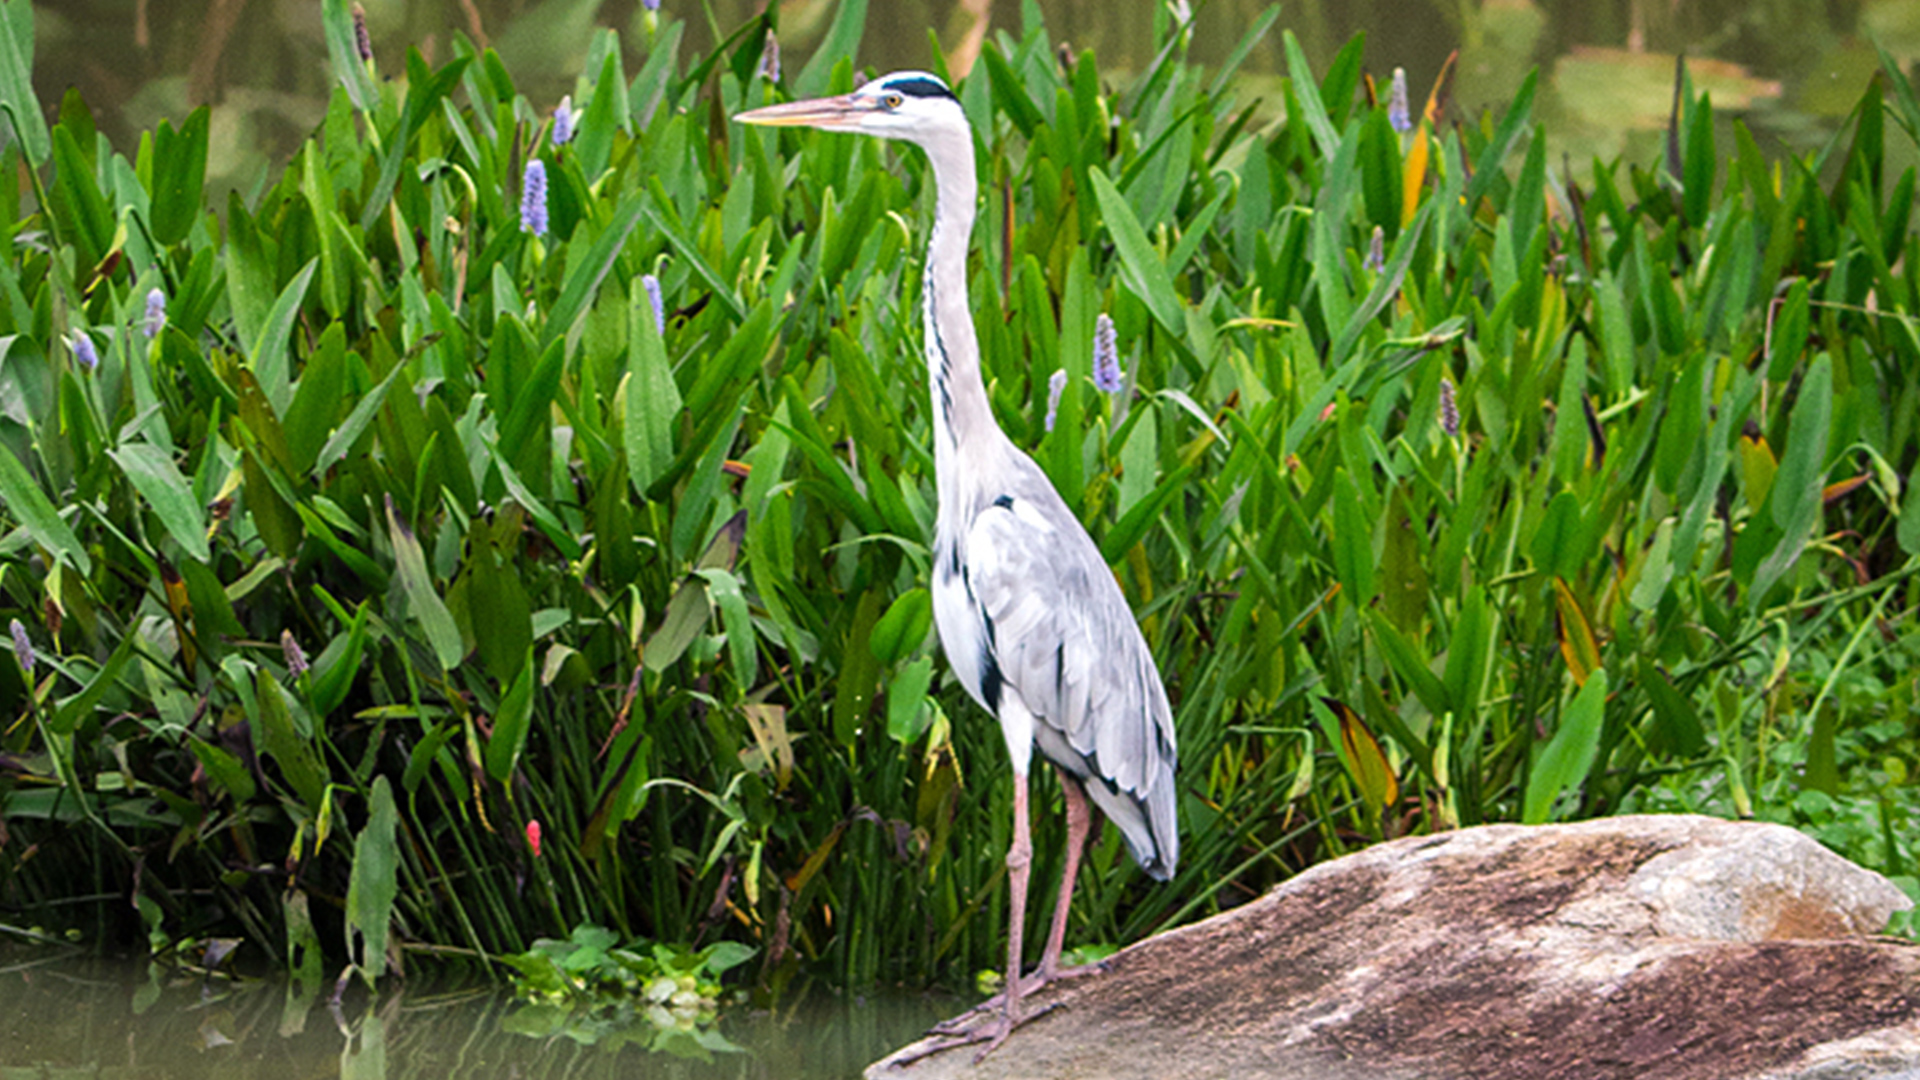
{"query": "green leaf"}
pixel 502 614
pixel 277 522
pixel 696 259
pixel 907 713
pixel 1797 486
pixel 179 176
pixel 1677 729
pixel 1558 544
pixel 511 722
pixel 1569 755
pixel 1822 771
pixel 901 630
pixel 1307 89
pixel 69 713
pixel 1143 515
pixel 588 271
pixel 1909 530
pixel 86 220
pixel 153 474
pixel 859 672
pixel 687 614
pixel 1467 653
pixel 1656 570
pixel 1352 541
pixel 841 41
pixel 356 423
pixel 316 400
pixel 1406 584
pixel 1140 265
pixel 337 667
pixel 22 105
pixel 285 744
pixel 224 769
pixel 653 398
pixel 31 507
pixel 343 49
pixel 724 588
pixel 1701 162
pixel 1404 656
pixel 1517 119
pixel 526 428
pixel 374 884
pixel 270 350
pixel 423 601
pixel 605 114
pixel 1790 332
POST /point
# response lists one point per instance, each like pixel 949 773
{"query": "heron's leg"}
pixel 1077 825
pixel 1019 865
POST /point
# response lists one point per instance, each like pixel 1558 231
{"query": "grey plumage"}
pixel 1018 583
pixel 1030 616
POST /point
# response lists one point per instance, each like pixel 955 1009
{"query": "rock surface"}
pixel 1630 947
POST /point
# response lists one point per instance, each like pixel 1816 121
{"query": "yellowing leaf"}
pixel 1576 634
pixel 1371 770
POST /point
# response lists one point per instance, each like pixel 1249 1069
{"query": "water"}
pixel 65 1015
pixel 1790 68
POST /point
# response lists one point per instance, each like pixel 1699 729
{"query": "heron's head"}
pixel 911 105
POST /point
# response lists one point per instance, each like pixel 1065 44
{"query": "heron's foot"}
pixel 970 1029
pixel 997 1004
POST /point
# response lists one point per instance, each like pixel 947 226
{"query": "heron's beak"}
pixel 844 111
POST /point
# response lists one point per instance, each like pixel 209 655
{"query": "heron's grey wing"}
pixel 1064 639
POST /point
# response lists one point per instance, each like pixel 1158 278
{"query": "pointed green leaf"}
pixel 17 98
pixel 179 176
pixel 1569 755
pixel 511 722
pixel 32 509
pixel 158 480
pixel 271 365
pixel 424 602
pixel 374 884
pixel 1140 265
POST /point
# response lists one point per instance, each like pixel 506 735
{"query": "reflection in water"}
pixel 1797 64
pixel 66 1016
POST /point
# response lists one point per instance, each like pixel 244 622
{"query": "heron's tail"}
pixel 1146 819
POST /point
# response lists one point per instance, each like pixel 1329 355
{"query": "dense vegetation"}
pixel 389 574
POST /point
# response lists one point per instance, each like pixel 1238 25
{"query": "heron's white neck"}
pixel 960 411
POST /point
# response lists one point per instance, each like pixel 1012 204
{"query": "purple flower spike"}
pixel 84 351
pixel 563 122
pixel 652 285
pixel 1106 356
pixel 650 5
pixel 1056 384
pixel 533 198
pixel 295 655
pixel 1376 260
pixel 1397 113
pixel 1449 409
pixel 22 647
pixel 362 41
pixel 156 319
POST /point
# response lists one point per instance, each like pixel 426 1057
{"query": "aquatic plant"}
pixel 405 533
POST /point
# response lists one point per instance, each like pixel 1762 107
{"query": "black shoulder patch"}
pixel 1004 502
pixel 921 86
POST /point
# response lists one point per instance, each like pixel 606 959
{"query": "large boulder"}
pixel 1631 947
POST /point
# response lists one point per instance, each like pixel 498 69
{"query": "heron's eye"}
pixel 894 100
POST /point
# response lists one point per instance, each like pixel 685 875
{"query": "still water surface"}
pixel 1790 69
pixel 64 1016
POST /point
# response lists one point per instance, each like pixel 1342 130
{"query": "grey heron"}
pixel 1032 620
